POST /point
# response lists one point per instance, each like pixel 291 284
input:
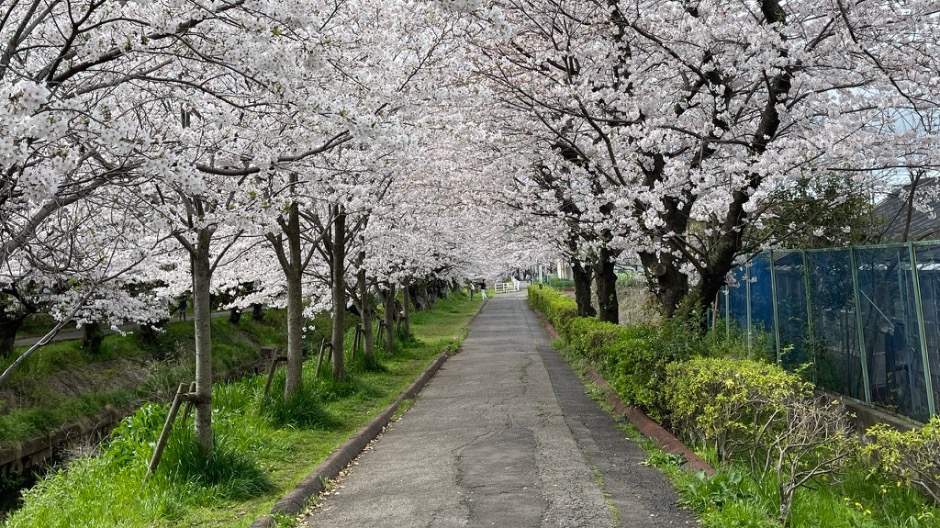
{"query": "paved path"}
pixel 503 436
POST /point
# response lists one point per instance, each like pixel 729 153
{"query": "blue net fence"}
pixel 861 321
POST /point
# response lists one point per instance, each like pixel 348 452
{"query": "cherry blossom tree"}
pixel 689 115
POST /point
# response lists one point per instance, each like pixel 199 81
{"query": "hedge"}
pixel 632 359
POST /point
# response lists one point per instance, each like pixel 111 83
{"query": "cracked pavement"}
pixel 505 436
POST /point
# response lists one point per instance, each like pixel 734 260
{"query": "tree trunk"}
pixel 339 294
pixel 423 296
pixel 390 319
pixel 8 329
pixel 406 309
pixel 92 336
pixel 202 314
pixel 582 289
pixel 606 279
pixel 665 281
pixel 295 305
pixel 366 313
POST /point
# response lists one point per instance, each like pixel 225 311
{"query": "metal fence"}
pixel 861 321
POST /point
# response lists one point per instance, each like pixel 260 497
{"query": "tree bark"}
pixel 422 296
pixel 92 336
pixel 365 315
pixel 582 276
pixel 295 305
pixel 390 319
pixel 8 329
pixel 406 309
pixel 339 293
pixel 202 314
pixel 665 281
pixel 606 279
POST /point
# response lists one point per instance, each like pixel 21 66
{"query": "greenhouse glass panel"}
pixel 889 322
pixel 791 308
pixel 928 267
pixel 835 354
pixel 737 298
pixel 762 308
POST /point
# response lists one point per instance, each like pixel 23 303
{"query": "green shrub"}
pixel 633 359
pixel 557 308
pixel 767 417
pixel 561 283
pixel 724 402
pixel 630 279
pixel 912 457
pixel 636 369
pixel 592 338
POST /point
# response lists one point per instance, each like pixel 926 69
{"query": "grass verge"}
pixel 260 451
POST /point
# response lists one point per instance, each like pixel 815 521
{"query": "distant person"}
pixel 483 289
pixel 182 309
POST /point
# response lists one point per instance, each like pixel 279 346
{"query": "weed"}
pixel 304 409
pixel 661 459
pixel 703 493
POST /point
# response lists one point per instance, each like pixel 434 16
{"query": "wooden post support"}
pixel 357 339
pixel 267 352
pixel 167 427
pixel 323 346
pixel 271 370
pixel 188 406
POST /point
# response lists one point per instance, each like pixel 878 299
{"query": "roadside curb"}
pixel 294 502
pixel 647 427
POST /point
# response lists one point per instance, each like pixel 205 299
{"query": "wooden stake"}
pixel 271 370
pixel 357 339
pixel 188 406
pixel 381 332
pixel 181 391
pixel 323 346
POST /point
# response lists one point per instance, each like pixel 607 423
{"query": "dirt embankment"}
pixel 112 375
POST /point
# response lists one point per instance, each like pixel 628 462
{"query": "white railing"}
pixel 506 287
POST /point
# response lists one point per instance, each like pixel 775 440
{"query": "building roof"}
pixel 925 217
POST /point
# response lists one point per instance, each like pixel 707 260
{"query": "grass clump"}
pixel 304 409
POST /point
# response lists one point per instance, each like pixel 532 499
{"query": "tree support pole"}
pixel 323 347
pixel 271 370
pixel 181 394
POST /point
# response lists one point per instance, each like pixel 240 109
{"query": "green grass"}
pixel 260 452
